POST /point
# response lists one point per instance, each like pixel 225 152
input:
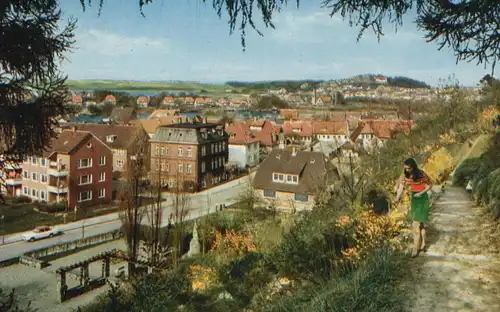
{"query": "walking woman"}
pixel 419 184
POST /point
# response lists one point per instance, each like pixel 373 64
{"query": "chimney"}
pixel 294 151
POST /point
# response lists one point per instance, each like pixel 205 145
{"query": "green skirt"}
pixel 420 207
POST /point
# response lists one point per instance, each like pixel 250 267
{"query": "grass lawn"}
pixel 20 217
pixel 145 86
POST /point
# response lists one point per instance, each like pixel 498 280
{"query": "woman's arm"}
pixel 401 188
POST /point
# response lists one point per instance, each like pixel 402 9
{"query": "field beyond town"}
pixel 147 86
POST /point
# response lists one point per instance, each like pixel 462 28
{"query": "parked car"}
pixel 41 232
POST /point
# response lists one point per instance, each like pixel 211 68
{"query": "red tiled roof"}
pixel 382 129
pixel 265 136
pixel 240 134
pixel 299 127
pixel 329 127
pixel 110 98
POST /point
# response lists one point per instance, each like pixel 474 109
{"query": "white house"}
pixel 244 147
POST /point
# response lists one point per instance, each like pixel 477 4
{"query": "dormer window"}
pixel 285 178
pixel 110 138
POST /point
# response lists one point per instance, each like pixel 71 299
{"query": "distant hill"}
pixel 397 81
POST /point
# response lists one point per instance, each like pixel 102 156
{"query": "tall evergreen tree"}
pixel 32 91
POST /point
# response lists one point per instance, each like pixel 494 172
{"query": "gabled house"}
pixel 298 132
pixel 143 101
pixel 290 179
pixel 77 169
pixel 324 100
pixel 189 100
pixel 329 136
pixel 374 133
pixel 123 115
pixel 265 131
pixel 244 147
pixel 124 141
pixel 109 99
pixel 168 100
pixel 76 99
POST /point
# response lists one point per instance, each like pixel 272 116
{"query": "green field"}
pixel 146 86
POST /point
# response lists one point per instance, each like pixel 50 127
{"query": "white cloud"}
pixel 95 41
pixel 296 27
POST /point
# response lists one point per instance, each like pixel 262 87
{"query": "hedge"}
pixel 466 171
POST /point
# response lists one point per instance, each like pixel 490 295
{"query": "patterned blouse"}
pixel 418 185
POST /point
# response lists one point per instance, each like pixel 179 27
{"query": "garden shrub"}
pixel 22 199
pixel 52 207
pixel 466 171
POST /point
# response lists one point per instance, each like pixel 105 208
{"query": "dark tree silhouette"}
pixel 32 91
pixel 468 27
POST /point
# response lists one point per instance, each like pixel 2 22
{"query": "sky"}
pixel 185 40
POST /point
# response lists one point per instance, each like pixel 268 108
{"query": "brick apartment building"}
pixel 124 141
pixel 190 156
pixel 76 168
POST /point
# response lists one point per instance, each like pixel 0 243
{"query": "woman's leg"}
pixel 416 238
pixel 422 236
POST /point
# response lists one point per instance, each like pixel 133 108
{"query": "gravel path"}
pixel 461 269
pixel 39 286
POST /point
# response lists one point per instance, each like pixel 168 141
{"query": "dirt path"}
pixel 461 269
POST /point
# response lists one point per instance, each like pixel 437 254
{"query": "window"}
pixel 189 152
pixel 301 197
pixel 163 150
pixel 203 166
pixel 102 161
pixel 34 192
pixel 281 177
pixel 102 193
pixel 289 178
pixel 84 196
pixel 26 190
pixel 119 163
pixel 188 168
pixel 179 151
pixel 295 179
pixel 43 195
pixel 85 179
pixel 179 167
pixel 102 176
pixel 85 163
pixel 157 150
pixel 203 151
pixel 34 176
pixel 27 160
pixel 43 178
pixel 26 174
pixel 89 145
pixel 34 160
pixel 162 166
pixel 269 193
pixel 43 162
pixel 275 177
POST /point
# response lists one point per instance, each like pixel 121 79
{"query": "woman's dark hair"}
pixel 415 172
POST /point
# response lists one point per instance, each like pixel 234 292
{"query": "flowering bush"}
pixel 202 278
pixel 234 244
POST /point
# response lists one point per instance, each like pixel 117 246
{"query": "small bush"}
pixel 51 208
pixel 466 171
pixel 22 199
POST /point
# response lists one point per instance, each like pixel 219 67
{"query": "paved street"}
pixel 224 194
